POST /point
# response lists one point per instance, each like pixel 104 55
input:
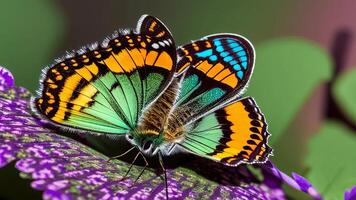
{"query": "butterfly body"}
pixel 162 125
pixel 158 128
pixel 136 84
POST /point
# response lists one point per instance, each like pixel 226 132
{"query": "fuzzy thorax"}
pixel 161 124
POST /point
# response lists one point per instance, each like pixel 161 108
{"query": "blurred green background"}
pixel 35 32
pixel 304 80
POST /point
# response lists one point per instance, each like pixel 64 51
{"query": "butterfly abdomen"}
pixel 156 117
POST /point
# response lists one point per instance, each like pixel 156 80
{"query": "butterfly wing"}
pixel 214 71
pixel 215 68
pixel 105 88
pixel 234 134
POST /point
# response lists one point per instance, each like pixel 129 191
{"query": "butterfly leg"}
pixel 132 163
pixel 165 172
pixel 144 168
pixel 126 152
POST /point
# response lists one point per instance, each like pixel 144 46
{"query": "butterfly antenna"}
pixel 126 152
pixel 132 163
pixel 164 170
pixel 144 168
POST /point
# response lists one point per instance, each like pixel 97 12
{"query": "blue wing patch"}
pixel 216 69
pixel 229 58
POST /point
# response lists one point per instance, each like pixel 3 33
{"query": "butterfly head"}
pixel 147 141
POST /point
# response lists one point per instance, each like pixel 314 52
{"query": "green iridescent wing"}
pixel 105 88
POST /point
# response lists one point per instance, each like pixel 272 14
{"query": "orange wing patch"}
pixel 125 61
pixel 215 70
pixel 204 66
pixel 246 137
pixel 113 64
pixel 165 61
pixel 151 57
pixel 231 80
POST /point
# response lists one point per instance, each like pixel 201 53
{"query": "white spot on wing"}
pixel 166 42
pixel 155 46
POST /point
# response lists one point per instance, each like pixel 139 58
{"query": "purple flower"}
pixel 63 168
pixel 298 182
pixel 350 194
pixel 6 79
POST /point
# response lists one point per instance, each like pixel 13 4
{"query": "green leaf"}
pixel 286 73
pixel 332 160
pixel 30 32
pixel 345 95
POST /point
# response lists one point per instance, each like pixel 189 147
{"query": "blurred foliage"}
pixel 32 32
pixel 287 71
pixel 344 91
pixel 332 160
pixel 189 21
pixel 29 33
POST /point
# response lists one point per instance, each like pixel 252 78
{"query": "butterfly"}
pixel 162 99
